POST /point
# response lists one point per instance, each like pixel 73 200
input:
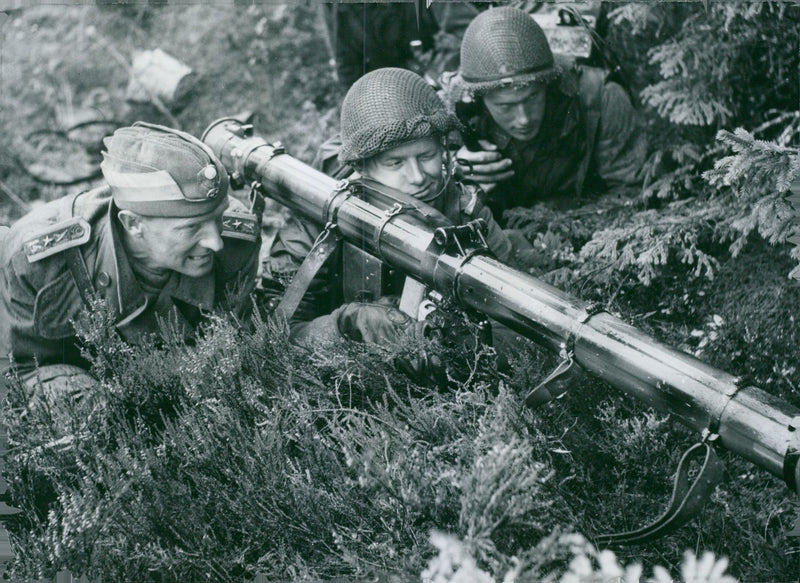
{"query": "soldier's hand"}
pixel 486 166
pixel 375 323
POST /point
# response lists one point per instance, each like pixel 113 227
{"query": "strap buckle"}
pixel 541 393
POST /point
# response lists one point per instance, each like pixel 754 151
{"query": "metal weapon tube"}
pixel 748 421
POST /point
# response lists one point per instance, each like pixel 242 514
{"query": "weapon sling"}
pixel 323 248
pixel 687 497
pixel 80 274
pixel 685 503
pixel 320 252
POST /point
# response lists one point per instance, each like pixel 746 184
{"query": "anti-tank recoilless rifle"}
pixel 728 413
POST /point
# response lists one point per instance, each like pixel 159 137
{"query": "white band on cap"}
pixel 142 187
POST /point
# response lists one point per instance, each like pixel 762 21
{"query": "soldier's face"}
pixel 414 168
pixel 518 112
pixel 185 245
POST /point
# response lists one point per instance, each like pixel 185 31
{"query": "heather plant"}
pixel 239 453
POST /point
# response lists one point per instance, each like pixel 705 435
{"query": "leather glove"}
pixel 375 323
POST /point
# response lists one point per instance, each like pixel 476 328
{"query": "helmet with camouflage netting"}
pixel 389 107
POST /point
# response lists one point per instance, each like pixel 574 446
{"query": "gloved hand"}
pixel 375 323
pixel 486 166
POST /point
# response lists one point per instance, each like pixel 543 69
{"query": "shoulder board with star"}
pixel 57 238
pixel 240 225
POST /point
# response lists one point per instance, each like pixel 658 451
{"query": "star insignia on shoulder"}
pixel 240 225
pixel 57 238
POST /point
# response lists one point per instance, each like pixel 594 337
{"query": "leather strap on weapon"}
pixel 686 501
pixel 322 249
pixel 688 497
pixel 80 274
pixel 541 393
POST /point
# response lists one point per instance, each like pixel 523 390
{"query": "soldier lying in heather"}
pixel 157 242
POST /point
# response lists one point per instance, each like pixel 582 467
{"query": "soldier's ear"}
pixel 131 222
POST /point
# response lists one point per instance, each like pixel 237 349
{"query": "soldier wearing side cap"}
pixel 540 128
pixel 161 240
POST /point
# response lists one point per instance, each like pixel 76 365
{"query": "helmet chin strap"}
pixel 448 170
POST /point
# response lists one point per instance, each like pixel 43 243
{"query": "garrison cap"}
pixel 505 47
pixel 157 171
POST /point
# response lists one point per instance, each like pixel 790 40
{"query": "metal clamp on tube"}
pixel 341 193
pixel 791 469
pixel 391 213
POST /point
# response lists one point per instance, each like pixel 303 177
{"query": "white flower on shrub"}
pixel 705 570
pixel 590 566
pixel 453 564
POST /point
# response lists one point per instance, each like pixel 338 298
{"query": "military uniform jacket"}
pixel 39 295
pixel 590 142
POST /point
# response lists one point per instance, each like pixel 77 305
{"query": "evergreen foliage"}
pixel 730 64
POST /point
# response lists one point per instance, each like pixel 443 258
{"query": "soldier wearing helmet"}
pixel 394 133
pixel 540 128
pixel 160 240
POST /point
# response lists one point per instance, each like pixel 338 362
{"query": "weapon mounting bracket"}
pixel 464 239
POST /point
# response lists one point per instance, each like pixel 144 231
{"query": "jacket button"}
pixel 103 279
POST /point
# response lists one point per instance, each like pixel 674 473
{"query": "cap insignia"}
pixel 207 180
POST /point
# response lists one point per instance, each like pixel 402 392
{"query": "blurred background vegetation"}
pixel 263 462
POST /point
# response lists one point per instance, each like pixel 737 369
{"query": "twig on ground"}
pixel 15 198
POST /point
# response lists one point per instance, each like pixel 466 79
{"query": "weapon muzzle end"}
pixel 228 124
pixel 791 470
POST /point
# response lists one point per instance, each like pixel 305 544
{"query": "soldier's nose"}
pixel 522 116
pixel 414 174
pixel 211 238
